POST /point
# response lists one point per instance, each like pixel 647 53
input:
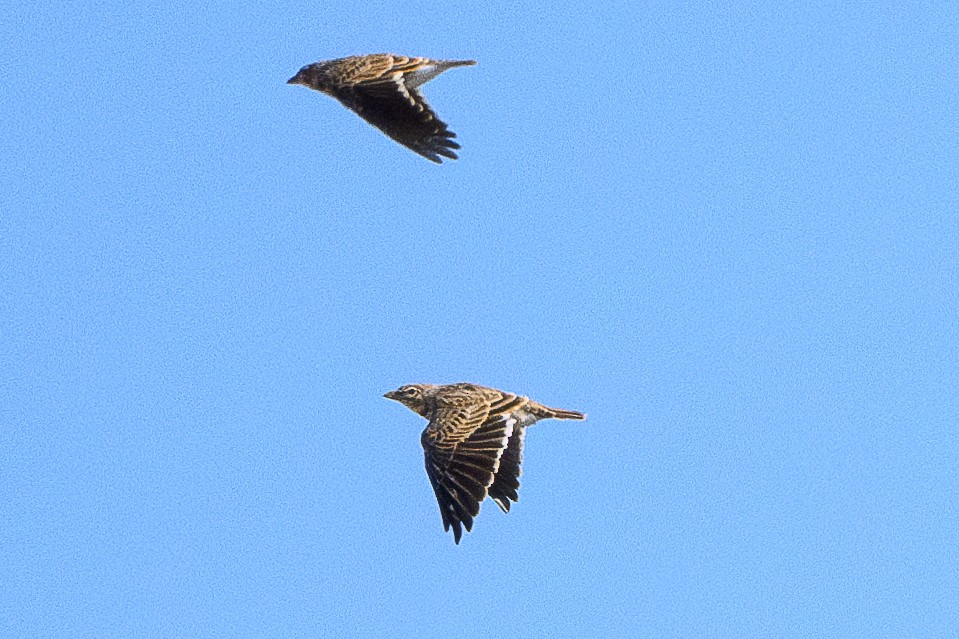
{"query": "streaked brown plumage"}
pixel 382 89
pixel 473 444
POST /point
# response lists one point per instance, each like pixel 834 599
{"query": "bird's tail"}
pixel 449 64
pixel 556 413
pixel 426 69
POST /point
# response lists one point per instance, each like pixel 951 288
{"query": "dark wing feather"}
pixel 506 484
pixel 401 113
pixel 462 472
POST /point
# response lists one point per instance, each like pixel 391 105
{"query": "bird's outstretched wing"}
pixel 506 482
pixel 401 112
pixel 462 473
pixel 469 435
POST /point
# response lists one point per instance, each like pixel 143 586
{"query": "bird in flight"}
pixel 473 444
pixel 382 88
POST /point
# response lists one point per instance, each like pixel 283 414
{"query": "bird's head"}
pixel 413 396
pixel 313 76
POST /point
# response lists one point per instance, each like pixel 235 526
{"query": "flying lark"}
pixel 473 444
pixel 382 89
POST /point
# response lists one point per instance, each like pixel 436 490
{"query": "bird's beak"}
pixel 293 80
pixel 390 395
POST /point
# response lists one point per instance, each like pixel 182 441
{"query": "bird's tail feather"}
pixel 566 414
pixel 449 64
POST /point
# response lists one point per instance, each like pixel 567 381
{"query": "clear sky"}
pixel 727 232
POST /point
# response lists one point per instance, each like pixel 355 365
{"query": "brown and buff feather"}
pixel 473 444
pixel 382 89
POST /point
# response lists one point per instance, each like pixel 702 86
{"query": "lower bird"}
pixel 382 89
pixel 473 444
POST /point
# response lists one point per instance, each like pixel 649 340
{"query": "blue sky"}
pixel 727 232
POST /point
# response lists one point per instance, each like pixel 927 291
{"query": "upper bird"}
pixel 473 444
pixel 382 89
